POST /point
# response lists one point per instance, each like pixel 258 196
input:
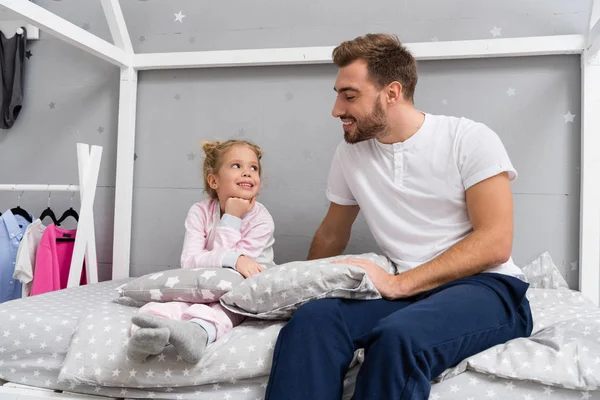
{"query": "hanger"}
pixel 48 211
pixel 69 213
pixel 19 211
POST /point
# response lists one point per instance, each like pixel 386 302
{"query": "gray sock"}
pixel 146 342
pixel 189 339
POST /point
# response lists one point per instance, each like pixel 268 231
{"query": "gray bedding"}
pixel 75 340
pixel 471 385
pixel 35 332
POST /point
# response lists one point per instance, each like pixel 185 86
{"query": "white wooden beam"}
pixel 543 45
pixel 65 30
pixel 589 237
pixel 593 37
pixel 124 179
pixel 593 42
pixel 117 25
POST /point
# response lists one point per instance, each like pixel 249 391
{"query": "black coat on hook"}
pixel 12 66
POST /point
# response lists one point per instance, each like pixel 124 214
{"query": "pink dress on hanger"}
pixel 53 260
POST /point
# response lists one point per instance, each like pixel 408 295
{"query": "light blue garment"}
pixel 12 229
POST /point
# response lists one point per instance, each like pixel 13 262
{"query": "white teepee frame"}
pixel 121 53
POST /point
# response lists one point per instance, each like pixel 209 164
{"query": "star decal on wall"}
pixel 142 38
pixel 86 26
pixel 179 17
pixel 289 96
pixel 100 129
pixel 574 265
pixel 52 105
pixel 496 31
pixel 569 117
pixel 177 97
pixel 242 132
pixel 135 156
pixel 192 39
pixel 191 156
pixel 28 54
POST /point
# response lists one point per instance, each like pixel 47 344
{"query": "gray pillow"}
pixel 542 273
pixel 562 350
pixel 197 285
pixel 279 291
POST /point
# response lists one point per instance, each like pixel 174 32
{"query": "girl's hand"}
pixel 248 267
pixel 238 207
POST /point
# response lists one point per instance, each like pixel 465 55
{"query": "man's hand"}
pixel 384 282
pixel 238 207
pixel 248 267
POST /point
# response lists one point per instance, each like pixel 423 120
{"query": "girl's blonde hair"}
pixel 213 160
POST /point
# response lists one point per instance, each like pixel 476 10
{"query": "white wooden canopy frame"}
pixel 121 54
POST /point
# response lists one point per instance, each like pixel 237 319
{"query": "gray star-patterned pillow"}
pixel 563 349
pixel 542 273
pixel 197 285
pixel 279 291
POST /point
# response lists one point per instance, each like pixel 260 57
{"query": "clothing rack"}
pixel 38 188
pixel 88 163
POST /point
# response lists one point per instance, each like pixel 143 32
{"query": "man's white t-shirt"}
pixel 412 194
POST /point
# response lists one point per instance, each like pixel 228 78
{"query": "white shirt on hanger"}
pixel 25 262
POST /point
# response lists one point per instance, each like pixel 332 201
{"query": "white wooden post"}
pixel 91 261
pixel 85 245
pixel 124 179
pixel 589 253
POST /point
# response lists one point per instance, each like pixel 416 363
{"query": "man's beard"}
pixel 369 127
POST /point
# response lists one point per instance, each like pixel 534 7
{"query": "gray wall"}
pixel 72 97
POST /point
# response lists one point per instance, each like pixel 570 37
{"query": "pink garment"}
pixel 215 241
pixel 211 239
pixel 214 313
pixel 53 260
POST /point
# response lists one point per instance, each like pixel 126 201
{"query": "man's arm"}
pixel 490 208
pixel 334 232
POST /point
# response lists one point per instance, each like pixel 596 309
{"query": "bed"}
pixel 81 349
pixel 50 351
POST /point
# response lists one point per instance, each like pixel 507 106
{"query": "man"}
pixel 435 192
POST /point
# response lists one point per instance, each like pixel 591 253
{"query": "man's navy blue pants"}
pixel 407 342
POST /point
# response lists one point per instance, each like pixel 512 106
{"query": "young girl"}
pixel 230 229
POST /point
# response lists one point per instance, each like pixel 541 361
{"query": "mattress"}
pixel 73 340
pixel 471 385
pixel 36 332
pixel 41 335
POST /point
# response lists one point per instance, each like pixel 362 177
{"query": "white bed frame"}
pixel 121 54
